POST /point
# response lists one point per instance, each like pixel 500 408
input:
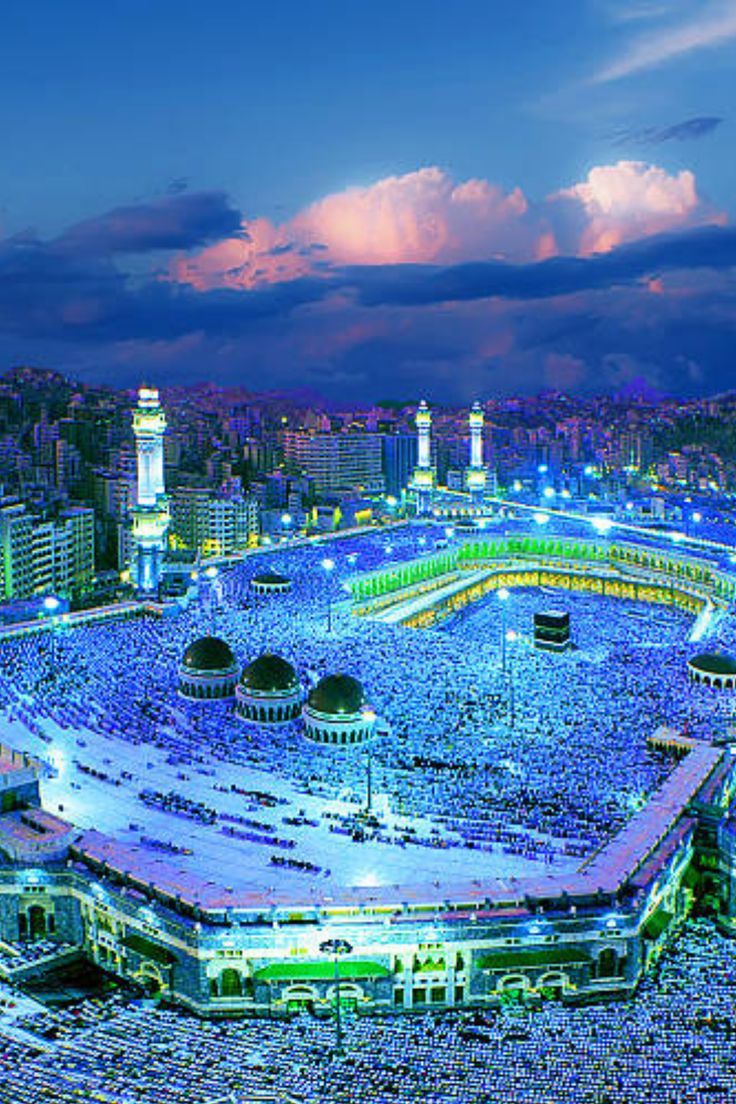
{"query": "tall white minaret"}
pixel 151 510
pixel 423 481
pixel 475 475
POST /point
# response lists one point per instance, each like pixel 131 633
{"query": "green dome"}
pixel 714 663
pixel 269 674
pixel 337 694
pixel 209 653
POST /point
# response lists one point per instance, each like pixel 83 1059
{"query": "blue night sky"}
pixel 364 199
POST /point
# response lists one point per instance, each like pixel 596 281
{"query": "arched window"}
pixel 607 963
pixel 37 921
pixel 231 983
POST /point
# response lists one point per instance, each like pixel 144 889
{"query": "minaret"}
pixel 475 475
pixel 151 510
pixel 423 482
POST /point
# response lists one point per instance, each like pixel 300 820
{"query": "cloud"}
pixel 713 27
pixel 697 127
pixel 422 216
pixel 428 217
pixel 632 200
pixel 311 302
pixel 707 247
pixel 178 221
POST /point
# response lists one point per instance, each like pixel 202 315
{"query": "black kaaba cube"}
pixel 552 630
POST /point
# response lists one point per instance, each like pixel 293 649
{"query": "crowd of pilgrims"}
pixel 673 1043
pixel 542 759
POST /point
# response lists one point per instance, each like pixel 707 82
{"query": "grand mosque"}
pixel 458 938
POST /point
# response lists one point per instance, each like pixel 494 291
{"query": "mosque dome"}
pixel 269 674
pixel 271 578
pixel 209 653
pixel 713 663
pixel 270 582
pixel 337 695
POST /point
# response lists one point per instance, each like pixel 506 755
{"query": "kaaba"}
pixel 552 630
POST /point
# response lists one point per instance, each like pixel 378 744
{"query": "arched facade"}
pixel 269 691
pixel 270 583
pixel 713 669
pixel 208 670
pixel 336 712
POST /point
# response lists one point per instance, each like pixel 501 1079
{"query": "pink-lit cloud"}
pixel 420 217
pixel 633 200
pixel 427 217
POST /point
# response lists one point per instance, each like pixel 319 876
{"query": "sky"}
pixel 371 200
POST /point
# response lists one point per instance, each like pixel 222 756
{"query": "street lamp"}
pixel 51 605
pixel 329 566
pixel 370 717
pixel 286 520
pixel 511 636
pixel 503 596
pixel 211 573
pixel 336 948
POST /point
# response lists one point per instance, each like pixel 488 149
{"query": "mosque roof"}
pixel 714 663
pixel 269 674
pixel 209 653
pixel 337 694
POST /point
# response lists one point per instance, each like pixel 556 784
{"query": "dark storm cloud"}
pixel 50 293
pixel 178 221
pixel 80 295
pixel 697 127
pixel 420 285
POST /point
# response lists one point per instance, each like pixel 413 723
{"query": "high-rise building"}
pixel 399 460
pixel 213 524
pixel 337 462
pixel 16 544
pixel 45 555
pixel 151 510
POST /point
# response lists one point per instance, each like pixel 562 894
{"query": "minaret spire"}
pixel 151 510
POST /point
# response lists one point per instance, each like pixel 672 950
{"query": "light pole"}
pixel 503 597
pixel 511 636
pixel 337 948
pixel 51 605
pixel 211 573
pixel 329 567
pixel 370 717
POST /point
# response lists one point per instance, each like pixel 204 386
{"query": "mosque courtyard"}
pixel 484 764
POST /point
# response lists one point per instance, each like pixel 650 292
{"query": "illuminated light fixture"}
pixel 549 492
pixel 541 518
pixel 51 604
pixel 211 572
pixel 602 524
pixel 504 594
